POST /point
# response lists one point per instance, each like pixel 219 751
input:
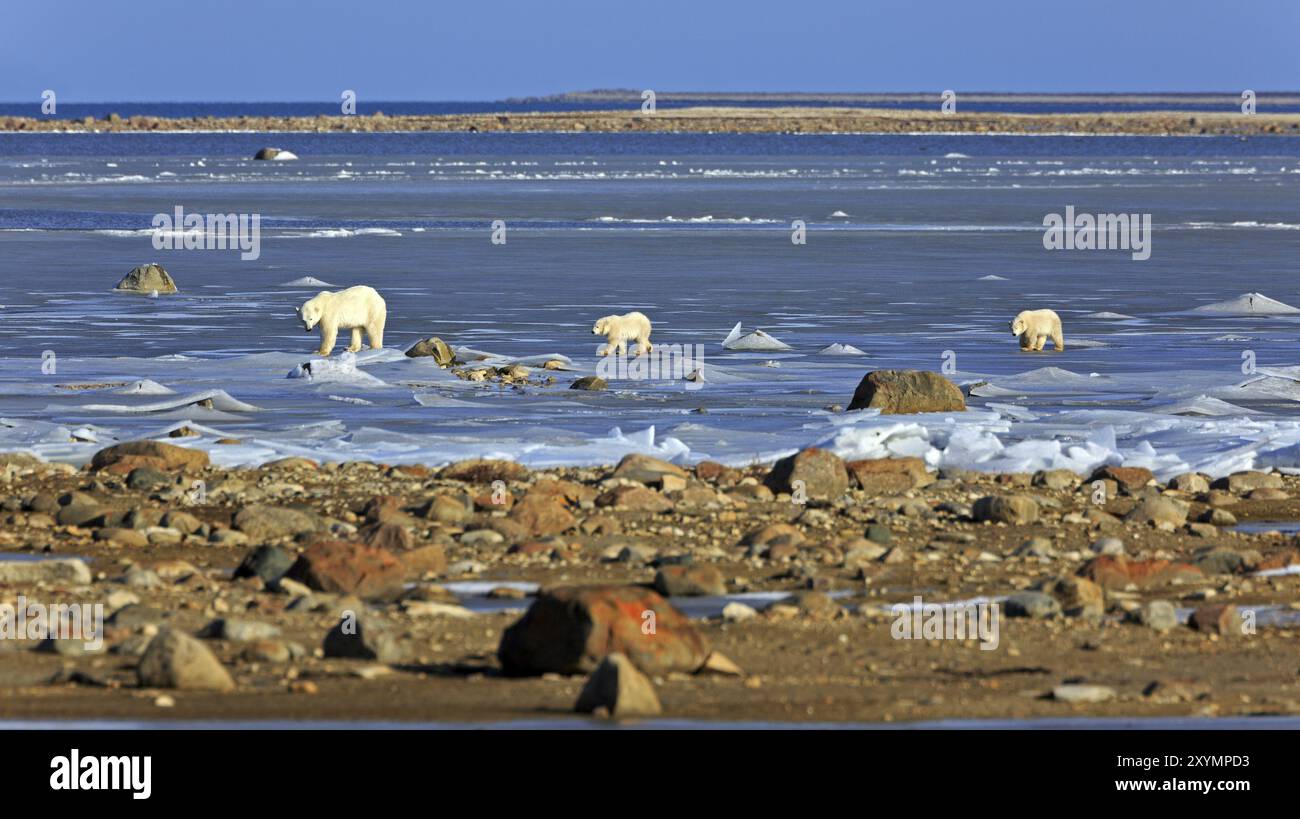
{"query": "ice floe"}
pixel 1248 304
pixel 840 349
pixel 755 341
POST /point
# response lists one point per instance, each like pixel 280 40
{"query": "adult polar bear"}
pixel 1036 326
pixel 353 309
pixel 619 330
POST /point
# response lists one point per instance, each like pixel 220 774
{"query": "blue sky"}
pixel 275 50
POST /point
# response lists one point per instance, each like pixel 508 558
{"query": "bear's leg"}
pixel 1026 343
pixel 604 349
pixel 643 345
pixel 376 332
pixel 621 347
pixel 355 346
pixel 1058 340
pixel 1039 342
pixel 329 334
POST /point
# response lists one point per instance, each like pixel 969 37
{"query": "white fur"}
pixel 353 309
pixel 619 330
pixel 1036 326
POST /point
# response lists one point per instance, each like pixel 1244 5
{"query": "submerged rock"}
pixel 435 348
pixel 274 153
pixel 147 279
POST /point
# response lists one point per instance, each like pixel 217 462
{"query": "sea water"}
pixel 917 251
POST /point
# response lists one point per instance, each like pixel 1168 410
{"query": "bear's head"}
pixel 601 327
pixel 309 314
pixel 1018 325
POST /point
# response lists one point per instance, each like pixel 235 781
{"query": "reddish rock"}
pixel 122 458
pixel 349 568
pixel 823 474
pixel 569 630
pixel 567 492
pixel 483 470
pixel 1128 478
pixel 774 533
pixel 1117 571
pixel 543 516
pixel 889 476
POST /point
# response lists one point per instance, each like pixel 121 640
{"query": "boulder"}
pixel 646 469
pixel 154 454
pixel 1128 478
pixel 360 638
pixel 1158 511
pixel 889 476
pixel 59 570
pixel 147 279
pixel 270 522
pixel 336 566
pixel 176 660
pixel 620 689
pixel 569 630
pixel 902 392
pixel 267 562
pixel 823 474
pixel 690 581
pixel 1010 509
pixel 543 515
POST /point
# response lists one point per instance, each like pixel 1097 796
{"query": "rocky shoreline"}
pixel 704 119
pixel 305 591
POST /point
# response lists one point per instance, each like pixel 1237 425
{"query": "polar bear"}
pixel 1034 328
pixel 351 309
pixel 619 330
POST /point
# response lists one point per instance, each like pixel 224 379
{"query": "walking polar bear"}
pixel 353 309
pixel 619 330
pixel 1036 326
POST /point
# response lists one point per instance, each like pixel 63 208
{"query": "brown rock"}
pixel 823 475
pixel 1222 619
pixel 618 687
pixel 889 476
pixel 1128 478
pixel 901 392
pixel 155 454
pixel 543 516
pixel 349 568
pixel 174 659
pixel 431 559
pixel 391 536
pixel 569 630
pixel 1010 509
pixel 690 581
pixel 647 470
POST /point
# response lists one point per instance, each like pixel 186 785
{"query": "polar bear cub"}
pixel 353 309
pixel 1036 326
pixel 619 330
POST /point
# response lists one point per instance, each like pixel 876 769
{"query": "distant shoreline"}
pixel 795 120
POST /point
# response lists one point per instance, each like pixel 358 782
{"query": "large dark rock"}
pixel 902 392
pixel 569 630
pixel 335 566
